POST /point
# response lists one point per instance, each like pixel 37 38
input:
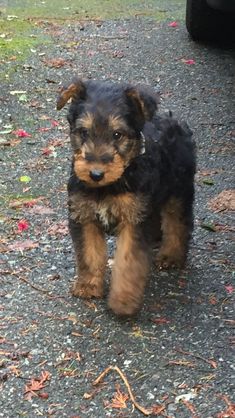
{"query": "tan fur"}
pixel 86 121
pixel 173 248
pixel 91 263
pixel 70 92
pixel 123 208
pixel 112 171
pixel 117 123
pixel 129 273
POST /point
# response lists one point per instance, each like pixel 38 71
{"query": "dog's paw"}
pixel 87 289
pixel 168 260
pixel 124 305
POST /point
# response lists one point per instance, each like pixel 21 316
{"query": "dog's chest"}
pixel 104 213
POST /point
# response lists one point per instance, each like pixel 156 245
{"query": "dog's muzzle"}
pixel 96 175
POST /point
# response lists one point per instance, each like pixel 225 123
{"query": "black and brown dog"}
pixel 132 173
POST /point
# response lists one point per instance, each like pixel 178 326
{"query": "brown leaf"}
pixel 55 62
pixel 22 245
pixel 180 363
pixel 160 320
pixel 119 399
pixel 44 395
pixel 36 385
pixel 60 228
pixel 41 210
pixel 189 405
pixel 225 201
pixel 158 409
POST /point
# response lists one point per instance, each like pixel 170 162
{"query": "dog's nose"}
pixel 96 175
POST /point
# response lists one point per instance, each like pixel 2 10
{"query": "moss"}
pixel 105 9
pixel 18 37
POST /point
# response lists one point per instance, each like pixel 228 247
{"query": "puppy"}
pixel 132 175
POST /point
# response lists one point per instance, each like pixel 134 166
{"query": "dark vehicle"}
pixel 211 20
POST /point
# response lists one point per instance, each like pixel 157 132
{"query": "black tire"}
pixel 206 24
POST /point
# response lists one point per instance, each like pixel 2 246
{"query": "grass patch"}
pixel 17 38
pixel 103 9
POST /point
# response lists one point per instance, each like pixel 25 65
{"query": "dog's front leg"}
pixel 90 251
pixel 130 270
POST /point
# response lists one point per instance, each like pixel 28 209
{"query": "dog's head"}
pixel 106 120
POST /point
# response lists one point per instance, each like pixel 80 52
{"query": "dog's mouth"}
pixel 98 174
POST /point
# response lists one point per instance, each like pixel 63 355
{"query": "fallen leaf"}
pixel 189 406
pixel 173 24
pixel 230 411
pixel 180 363
pixel 44 395
pixel 22 245
pixel 25 179
pixel 213 300
pixel 60 228
pixel 44 129
pixel 54 123
pixel 21 133
pixel 119 399
pixel 186 396
pixel 118 54
pixel 160 320
pixel 47 151
pixel 189 61
pixel 229 288
pixel 208 226
pixel 22 225
pixel 224 201
pixel 157 409
pixel 36 385
pixel 55 62
pixel 208 182
pixel 15 92
pixel 40 210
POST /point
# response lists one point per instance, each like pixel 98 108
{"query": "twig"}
pixel 187 353
pixel 125 381
pixel 39 289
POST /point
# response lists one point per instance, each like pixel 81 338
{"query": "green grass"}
pixel 104 9
pixel 17 38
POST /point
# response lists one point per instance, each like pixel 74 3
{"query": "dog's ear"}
pixel 75 90
pixel 144 100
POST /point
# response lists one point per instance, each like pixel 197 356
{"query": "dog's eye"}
pixel 83 133
pixel 117 135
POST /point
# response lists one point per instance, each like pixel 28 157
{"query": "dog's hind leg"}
pixel 90 251
pixel 176 225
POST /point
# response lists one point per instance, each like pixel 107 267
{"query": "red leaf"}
pixel 173 24
pixel 47 151
pixel 189 61
pixel 54 123
pixel 22 225
pixel 44 395
pixel 229 288
pixel 21 133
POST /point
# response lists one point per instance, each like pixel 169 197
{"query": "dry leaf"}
pixel 55 62
pixel 225 201
pixel 22 245
pixel 119 399
pixel 36 385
